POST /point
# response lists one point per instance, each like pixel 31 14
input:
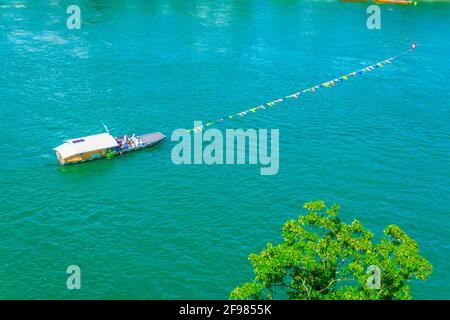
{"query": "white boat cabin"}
pixel 85 148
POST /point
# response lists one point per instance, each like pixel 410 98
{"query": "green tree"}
pixel 322 257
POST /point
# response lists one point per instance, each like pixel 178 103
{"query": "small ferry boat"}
pixel 103 145
pixel 401 2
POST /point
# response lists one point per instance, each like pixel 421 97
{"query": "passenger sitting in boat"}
pixel 119 141
pixel 129 141
pixel 119 144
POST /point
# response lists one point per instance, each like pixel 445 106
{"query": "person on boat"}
pixel 119 141
pixel 119 144
pixel 125 144
pixel 129 141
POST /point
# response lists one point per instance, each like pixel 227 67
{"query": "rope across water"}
pixel 296 95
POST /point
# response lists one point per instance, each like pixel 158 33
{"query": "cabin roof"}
pixel 86 144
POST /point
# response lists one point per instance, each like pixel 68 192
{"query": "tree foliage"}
pixel 322 257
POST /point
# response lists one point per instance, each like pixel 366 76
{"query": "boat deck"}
pixel 152 138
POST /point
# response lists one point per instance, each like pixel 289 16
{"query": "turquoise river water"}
pixel 141 227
